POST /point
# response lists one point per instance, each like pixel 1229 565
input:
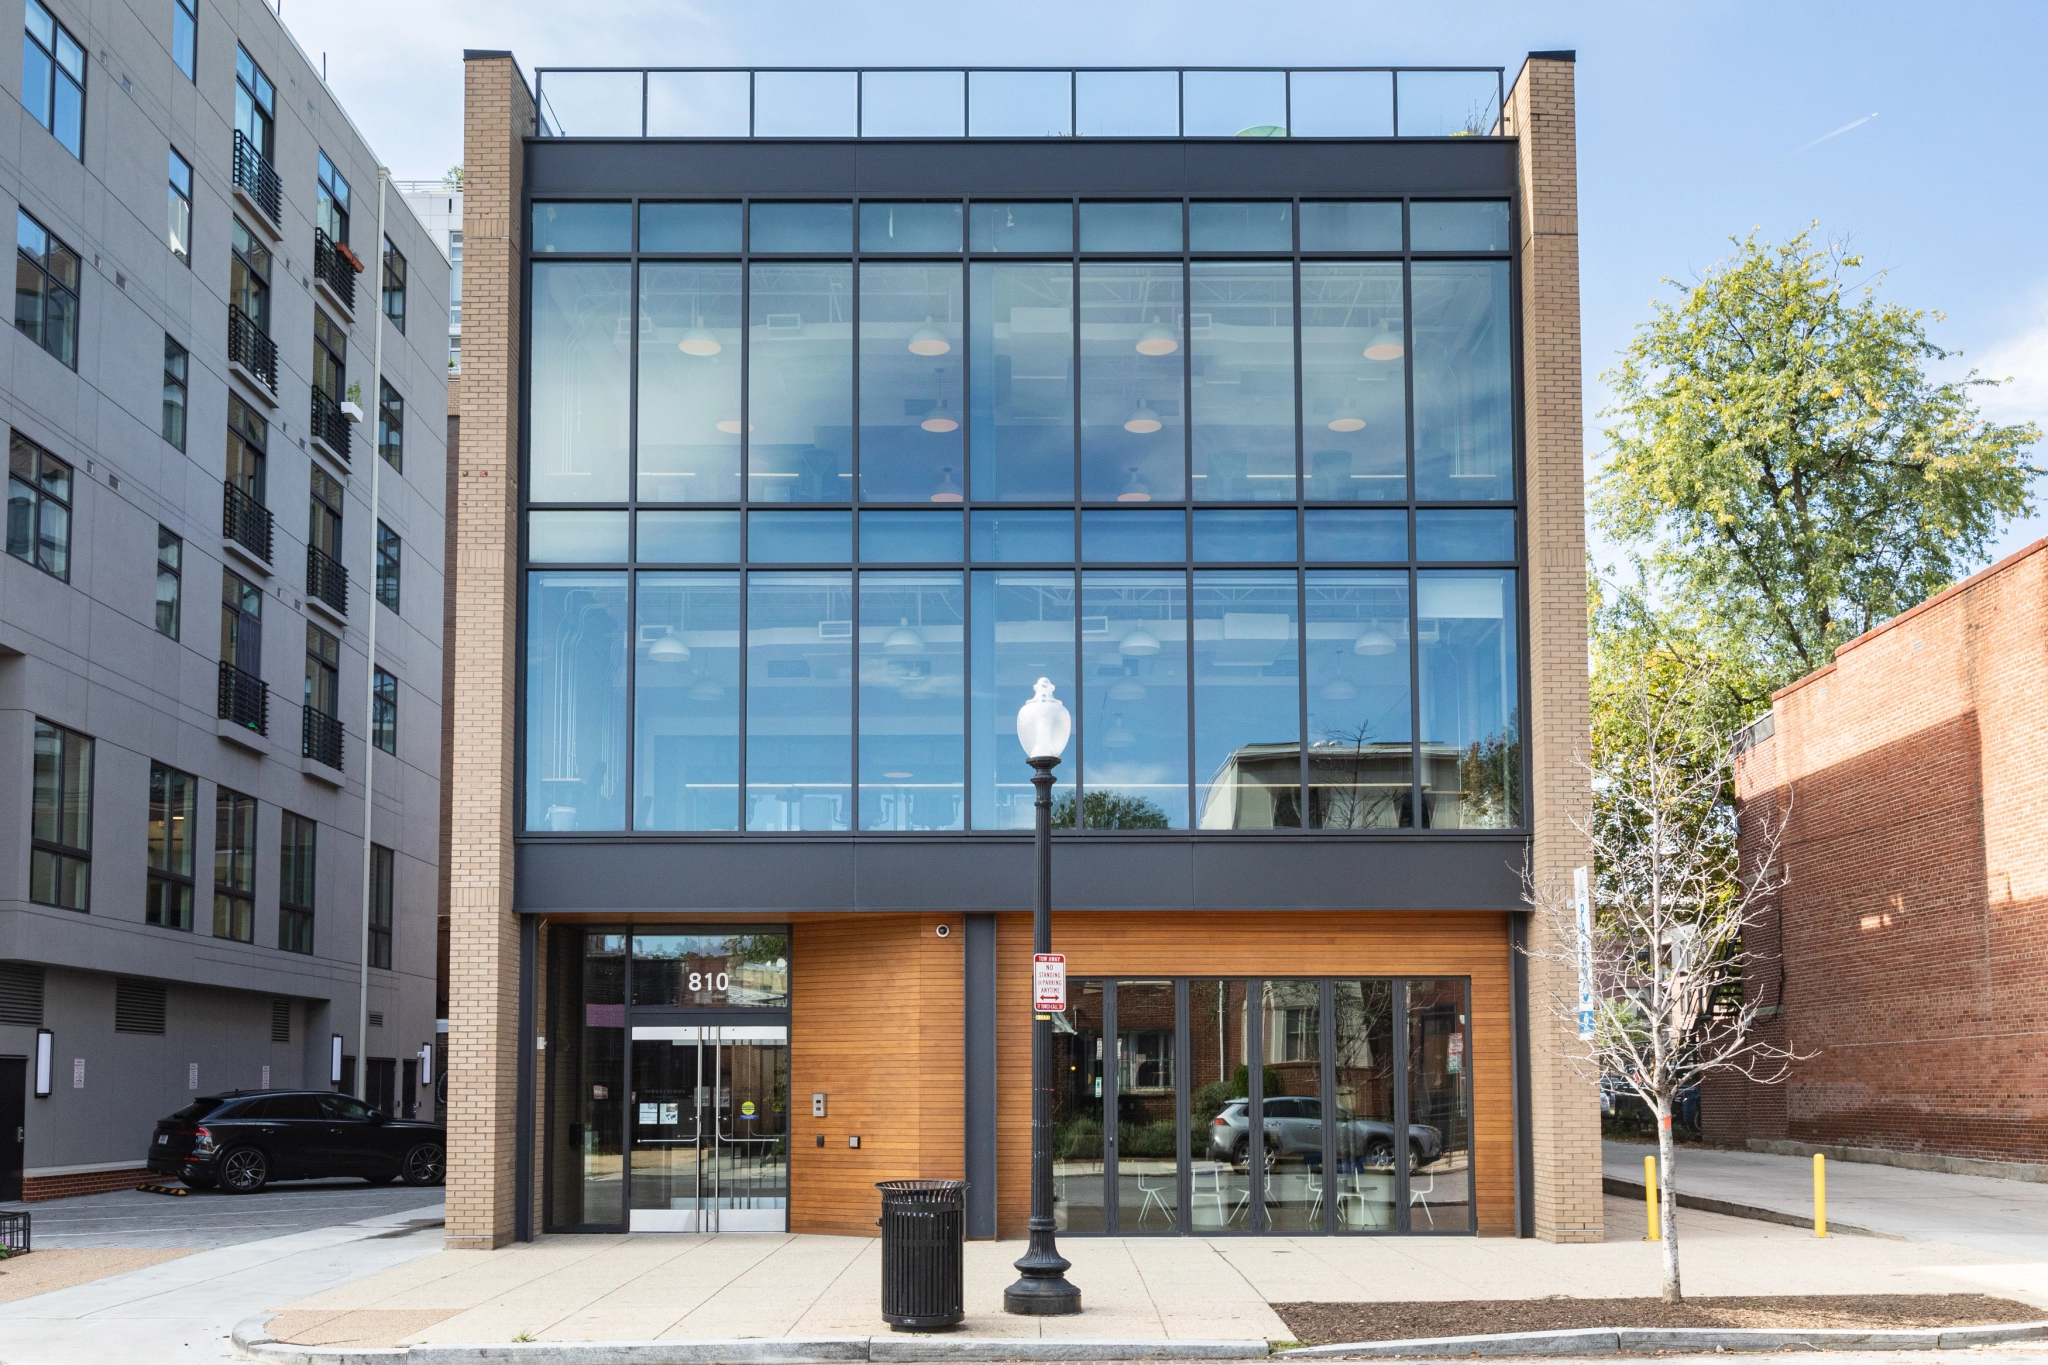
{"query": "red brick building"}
pixel 1911 936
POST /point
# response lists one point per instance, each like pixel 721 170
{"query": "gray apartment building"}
pixel 221 599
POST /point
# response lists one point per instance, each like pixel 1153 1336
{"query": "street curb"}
pixel 1633 1189
pixel 252 1341
pixel 1630 1340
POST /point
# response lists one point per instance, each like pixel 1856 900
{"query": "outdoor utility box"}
pixel 924 1235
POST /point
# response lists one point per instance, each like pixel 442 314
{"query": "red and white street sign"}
pixel 1049 983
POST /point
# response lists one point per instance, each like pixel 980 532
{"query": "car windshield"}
pixel 196 1110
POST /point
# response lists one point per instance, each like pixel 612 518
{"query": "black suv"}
pixel 242 1142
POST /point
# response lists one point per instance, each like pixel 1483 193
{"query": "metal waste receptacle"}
pixel 924 1233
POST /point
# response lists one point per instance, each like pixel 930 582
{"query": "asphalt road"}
pixel 130 1218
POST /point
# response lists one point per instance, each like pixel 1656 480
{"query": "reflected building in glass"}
pixel 850 406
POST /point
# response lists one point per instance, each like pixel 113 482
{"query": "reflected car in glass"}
pixel 244 1141
pixel 1294 1128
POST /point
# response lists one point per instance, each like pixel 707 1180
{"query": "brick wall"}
pixel 39 1187
pixel 1912 933
pixel 1565 1117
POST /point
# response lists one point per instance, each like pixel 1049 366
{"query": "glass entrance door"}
pixel 708 1116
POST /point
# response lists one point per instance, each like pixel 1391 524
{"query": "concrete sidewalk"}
pixel 2007 1217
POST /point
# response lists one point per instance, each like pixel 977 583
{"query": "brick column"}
pixel 483 986
pixel 1565 1112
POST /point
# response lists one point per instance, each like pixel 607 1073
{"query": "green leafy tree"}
pixel 1781 462
pixel 1109 810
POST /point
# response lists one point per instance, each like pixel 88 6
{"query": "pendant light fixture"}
pixel 1373 641
pixel 1347 418
pixel 730 426
pixel 903 640
pixel 929 340
pixel 1118 737
pixel 1140 643
pixel 1127 689
pixel 1143 420
pixel 1134 489
pixel 699 340
pixel 705 689
pixel 1156 340
pixel 1338 689
pixel 1385 345
pixel 949 487
pixel 940 418
pixel 669 649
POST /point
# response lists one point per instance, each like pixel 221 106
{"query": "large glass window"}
pixel 722 970
pixel 60 824
pixel 1464 383
pixel 1080 1154
pixel 1354 411
pixel 46 282
pixel 1132 373
pixel 170 583
pixel 686 725
pixel 585 1075
pixel 38 507
pixel 331 201
pixel 383 903
pixel 1148 1175
pixel 1361 771
pixel 53 78
pixel 575 701
pixel 1247 700
pixel 249 277
pixel 912 750
pixel 799 701
pixel 178 232
pixel 800 347
pixel 1023 380
pixel 1023 631
pixel 911 365
pixel 1242 380
pixel 234 865
pixel 255 98
pixel 1470 707
pixel 689 383
pixel 1134 700
pixel 1361 1186
pixel 177 372
pixel 1439 1105
pixel 296 881
pixel 173 813
pixel 582 318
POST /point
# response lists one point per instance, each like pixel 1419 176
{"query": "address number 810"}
pixel 710 981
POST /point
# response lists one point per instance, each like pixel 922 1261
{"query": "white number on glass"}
pixel 700 981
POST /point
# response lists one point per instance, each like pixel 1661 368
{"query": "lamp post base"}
pixel 1052 1297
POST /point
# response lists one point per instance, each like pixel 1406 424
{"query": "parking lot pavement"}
pixel 130 1218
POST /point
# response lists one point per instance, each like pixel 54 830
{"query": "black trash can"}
pixel 924 1234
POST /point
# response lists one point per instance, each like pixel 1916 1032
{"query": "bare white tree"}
pixel 1673 889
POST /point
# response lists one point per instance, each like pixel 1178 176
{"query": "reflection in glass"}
pixel 1043 227
pixel 1126 104
pixel 1132 365
pixel 1078 1150
pixel 1247 703
pixel 1147 1136
pixel 1243 381
pixel 697 104
pixel 1471 728
pixel 1219 1086
pixel 1361 764
pixel 692 227
pixel 800 344
pixel 584 1069
pixel 673 1076
pixel 1440 1105
pixel 910 537
pixel 1351 225
pixel 589 103
pixel 576 228
pixel 1117 225
pixel 579 405
pixel 912 753
pixel 806 104
pixel 1464 429
pixel 1023 631
pixel 689 537
pixel 1240 227
pixel 712 971
pixel 913 104
pixel 1023 376
pixel 1363 1179
pixel 1348 534
pixel 689 382
pixel 1127 537
pixel 1023 537
pixel 1341 104
pixel 799 701
pixel 799 537
pixel 686 701
pixel 576 537
pixel 575 701
pixel 825 228
pixel 1240 535
pixel 1234 104
pixel 1443 534
pixel 1449 103
pixel 910 368
pixel 1134 747
pixel 1020 104
pixel 1291 1028
pixel 918 227
pixel 1459 225
pixel 1354 413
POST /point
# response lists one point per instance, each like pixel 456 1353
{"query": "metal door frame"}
pixel 706 1216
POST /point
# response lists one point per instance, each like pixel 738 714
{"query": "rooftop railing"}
pixel 1019 102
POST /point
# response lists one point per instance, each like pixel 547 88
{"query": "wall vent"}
pixel 138 1006
pixel 21 994
pixel 280 1021
pixel 376 1019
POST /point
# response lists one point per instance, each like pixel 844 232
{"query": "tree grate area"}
pixel 1326 1324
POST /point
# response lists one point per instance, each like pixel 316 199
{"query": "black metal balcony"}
pixel 250 348
pixel 329 423
pixel 326 579
pixel 258 178
pixel 334 270
pixel 244 698
pixel 245 521
pixel 320 738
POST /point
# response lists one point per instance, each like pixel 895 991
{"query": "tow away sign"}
pixel 1048 983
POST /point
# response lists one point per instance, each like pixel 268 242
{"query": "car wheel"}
pixel 1415 1158
pixel 425 1164
pixel 194 1182
pixel 244 1171
pixel 1379 1151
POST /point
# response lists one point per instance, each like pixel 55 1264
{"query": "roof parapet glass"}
pixel 1019 102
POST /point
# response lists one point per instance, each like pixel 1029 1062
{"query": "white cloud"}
pixel 2022 361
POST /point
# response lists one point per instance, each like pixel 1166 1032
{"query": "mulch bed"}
pixel 1325 1324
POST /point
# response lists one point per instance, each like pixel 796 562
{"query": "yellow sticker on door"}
pixel 746 1109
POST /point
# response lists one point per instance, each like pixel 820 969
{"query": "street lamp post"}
pixel 1043 727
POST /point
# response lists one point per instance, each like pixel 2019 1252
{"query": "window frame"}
pixel 382 900
pixel 234 864
pixel 326 502
pixel 297 884
pixel 391 426
pixel 185 38
pixel 384 711
pixel 330 206
pixel 41 498
pixel 171 570
pixel 251 81
pixel 396 312
pixel 60 71
pixel 46 849
pixel 177 376
pixel 330 355
pixel 390 565
pixel 323 671
pixel 249 251
pixel 52 290
pixel 161 849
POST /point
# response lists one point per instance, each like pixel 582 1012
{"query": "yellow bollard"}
pixel 1820 1195
pixel 1650 1194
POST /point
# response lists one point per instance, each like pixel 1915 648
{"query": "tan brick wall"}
pixel 483 967
pixel 1565 1114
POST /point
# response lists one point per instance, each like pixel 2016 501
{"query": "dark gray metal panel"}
pixel 1098 872
pixel 1056 166
pixel 979 1129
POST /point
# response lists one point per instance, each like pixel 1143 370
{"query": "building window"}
pixel 179 230
pixel 330 382
pixel 330 211
pixel 234 865
pixel 249 276
pixel 46 289
pixel 454 353
pixel 383 879
pixel 295 885
pixel 244 518
pixel 255 102
pixel 322 731
pixel 394 285
pixel 60 860
pixel 243 697
pixel 384 712
pixel 455 282
pixel 390 425
pixel 323 515
pixel 38 507
pixel 389 549
pixel 185 37
pixel 53 78
pixel 173 806
pixel 177 366
pixel 170 585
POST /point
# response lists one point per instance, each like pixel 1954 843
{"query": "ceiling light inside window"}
pixel 1118 737
pixel 940 418
pixel 903 640
pixel 1347 419
pixel 1156 340
pixel 1143 420
pixel 669 649
pixel 1139 643
pixel 1387 345
pixel 1373 640
pixel 929 340
pixel 700 340
pixel 949 487
pixel 1135 489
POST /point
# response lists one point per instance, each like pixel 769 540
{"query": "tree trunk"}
pixel 1667 1201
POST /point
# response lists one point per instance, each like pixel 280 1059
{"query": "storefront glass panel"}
pixel 576 701
pixel 1291 1031
pixel 1362 1181
pixel 1148 1174
pixel 1079 1153
pixel 1440 1099
pixel 711 971
pixel 586 1136
pixel 1219 1082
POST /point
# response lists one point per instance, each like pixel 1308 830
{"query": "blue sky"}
pixel 1696 121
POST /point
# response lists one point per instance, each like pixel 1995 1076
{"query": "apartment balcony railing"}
pixel 250 348
pixel 245 521
pixel 320 738
pixel 326 579
pixel 244 698
pixel 330 424
pixel 334 270
pixel 255 176
pixel 1020 102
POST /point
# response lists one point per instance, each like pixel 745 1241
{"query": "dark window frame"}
pixel 326 501
pixel 177 391
pixel 55 302
pixel 332 199
pixel 391 425
pixel 185 38
pixel 383 895
pixel 36 493
pixel 394 279
pixel 47 847
pixel 61 72
pixel 298 862
pixel 235 816
pixel 384 711
pixel 390 553
pixel 169 895
pixel 179 233
pixel 170 611
pixel 261 93
pixel 323 672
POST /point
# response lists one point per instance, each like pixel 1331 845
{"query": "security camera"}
pixel 945 931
